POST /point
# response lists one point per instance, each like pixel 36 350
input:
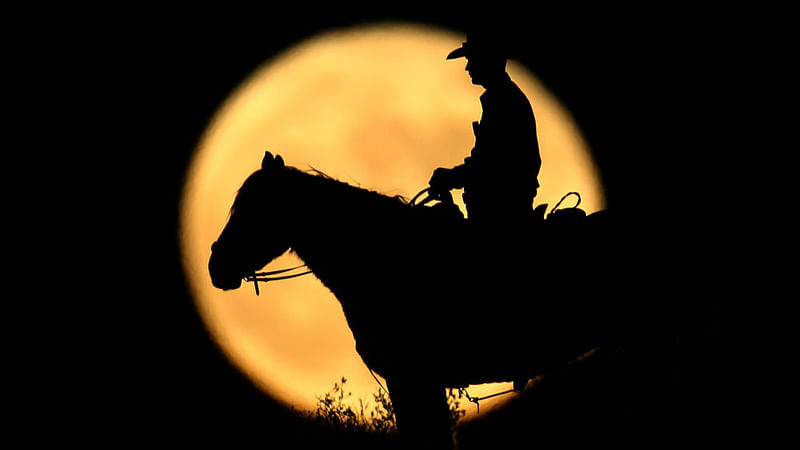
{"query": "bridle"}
pixel 268 276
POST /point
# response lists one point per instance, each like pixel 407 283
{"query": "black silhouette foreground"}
pixel 403 274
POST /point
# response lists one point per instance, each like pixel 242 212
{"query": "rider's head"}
pixel 486 60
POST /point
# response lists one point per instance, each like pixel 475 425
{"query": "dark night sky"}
pixel 640 86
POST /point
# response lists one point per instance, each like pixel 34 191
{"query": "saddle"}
pixel 564 216
pixel 446 211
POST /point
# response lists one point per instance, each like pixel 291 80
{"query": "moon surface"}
pixel 376 106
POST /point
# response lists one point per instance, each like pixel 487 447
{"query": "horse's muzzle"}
pixel 221 275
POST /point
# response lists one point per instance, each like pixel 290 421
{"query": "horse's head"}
pixel 255 233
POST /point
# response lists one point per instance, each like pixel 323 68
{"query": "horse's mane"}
pixel 312 180
pixel 346 186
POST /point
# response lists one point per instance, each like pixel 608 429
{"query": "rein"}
pixel 426 200
pixel 268 276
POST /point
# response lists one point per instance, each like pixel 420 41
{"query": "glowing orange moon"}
pixel 378 106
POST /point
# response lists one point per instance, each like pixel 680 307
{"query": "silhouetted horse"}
pixel 407 278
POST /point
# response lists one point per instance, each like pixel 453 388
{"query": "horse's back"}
pixel 474 306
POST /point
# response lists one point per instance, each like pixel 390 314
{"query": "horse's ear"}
pixel 279 161
pixel 268 158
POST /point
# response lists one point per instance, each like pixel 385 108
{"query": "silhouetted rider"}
pixel 500 175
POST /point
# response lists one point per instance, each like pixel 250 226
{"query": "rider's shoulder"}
pixel 505 93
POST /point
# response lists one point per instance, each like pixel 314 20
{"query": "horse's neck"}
pixel 329 225
pixel 318 218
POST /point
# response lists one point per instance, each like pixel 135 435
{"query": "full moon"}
pixel 376 106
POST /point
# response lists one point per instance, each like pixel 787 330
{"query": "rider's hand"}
pixel 441 179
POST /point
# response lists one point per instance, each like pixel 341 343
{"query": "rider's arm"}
pixel 445 179
pixel 455 178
